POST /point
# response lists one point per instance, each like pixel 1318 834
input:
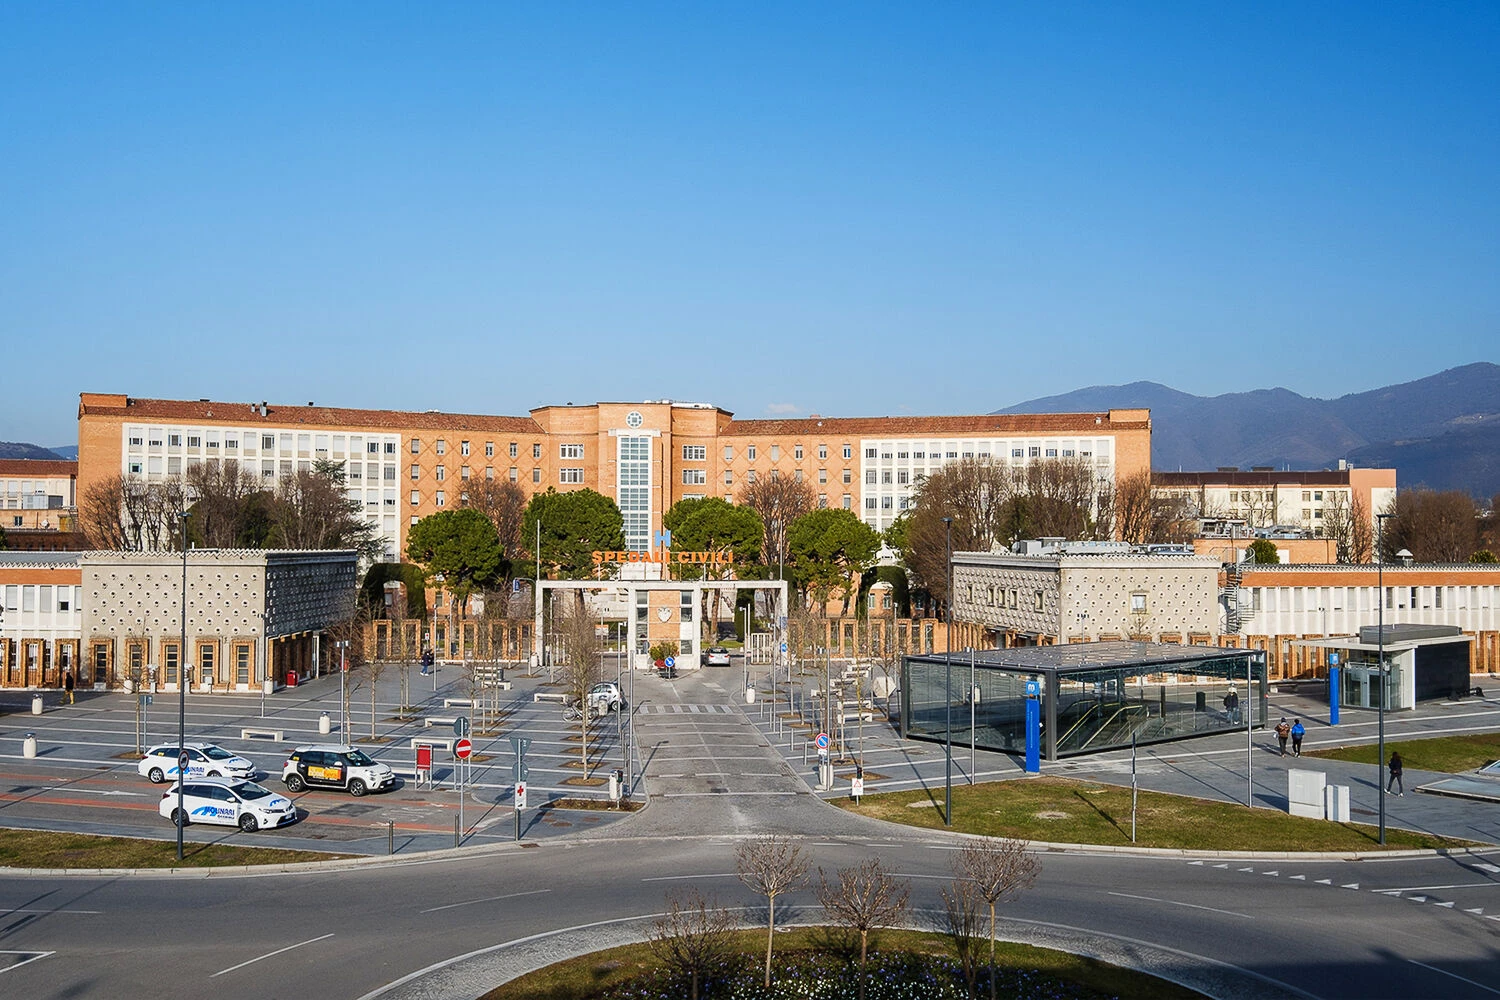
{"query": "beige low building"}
pixel 1023 600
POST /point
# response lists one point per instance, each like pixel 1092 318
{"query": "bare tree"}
pixel 692 936
pixel 1060 493
pixel 222 504
pixel 779 501
pixel 1262 507
pixel 961 909
pixel 1346 523
pixel 312 510
pixel 504 503
pixel 996 867
pixel 864 897
pixel 584 651
pixel 1434 527
pixel 979 495
pixel 770 866
pixel 101 511
pixel 1133 502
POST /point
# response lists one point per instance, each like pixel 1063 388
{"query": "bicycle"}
pixel 572 713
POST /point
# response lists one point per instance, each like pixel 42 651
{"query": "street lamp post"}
pixel 343 644
pixel 1380 665
pixel 948 682
pixel 182 689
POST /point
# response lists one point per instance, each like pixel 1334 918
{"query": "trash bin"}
pixel 324 725
pixel 291 678
pixel 1202 703
pixel 36 704
pixel 28 748
pixel 749 695
pixel 616 780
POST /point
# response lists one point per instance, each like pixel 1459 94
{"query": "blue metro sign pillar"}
pixel 1033 728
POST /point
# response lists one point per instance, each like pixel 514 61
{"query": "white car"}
pixel 604 698
pixel 204 760
pixel 228 802
pixel 718 656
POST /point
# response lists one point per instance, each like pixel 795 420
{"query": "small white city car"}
pixel 228 802
pixel 204 760
pixel 335 766
pixel 718 656
pixel 605 697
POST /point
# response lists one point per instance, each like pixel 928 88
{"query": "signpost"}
pixel 461 751
pixel 519 745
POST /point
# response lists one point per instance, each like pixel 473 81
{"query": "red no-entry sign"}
pixel 462 749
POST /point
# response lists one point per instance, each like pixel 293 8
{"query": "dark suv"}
pixel 332 766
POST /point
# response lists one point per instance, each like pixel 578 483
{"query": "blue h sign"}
pixel 664 539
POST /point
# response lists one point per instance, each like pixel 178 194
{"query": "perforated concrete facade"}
pixel 249 613
pixel 1062 598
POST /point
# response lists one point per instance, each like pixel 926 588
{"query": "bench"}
pixel 556 696
pixel 433 720
pixel 275 735
pixel 458 702
pixel 431 741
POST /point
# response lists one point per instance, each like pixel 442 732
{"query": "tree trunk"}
pixel 770 934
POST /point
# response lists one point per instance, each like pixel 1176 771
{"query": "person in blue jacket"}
pixel 1298 731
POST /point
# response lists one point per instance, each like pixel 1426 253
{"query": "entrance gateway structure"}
pixel 662 610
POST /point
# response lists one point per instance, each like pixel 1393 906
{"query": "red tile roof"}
pixel 37 468
pixel 204 411
pixel 894 427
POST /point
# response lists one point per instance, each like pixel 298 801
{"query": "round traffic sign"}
pixel 783 647
pixel 670 661
pixel 462 749
pixel 822 741
pixel 182 761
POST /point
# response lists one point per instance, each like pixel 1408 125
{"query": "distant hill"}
pixel 67 451
pixel 1442 431
pixel 15 449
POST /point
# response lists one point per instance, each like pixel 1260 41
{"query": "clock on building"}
pixel 634 418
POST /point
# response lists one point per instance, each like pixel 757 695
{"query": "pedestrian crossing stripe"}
pixel 1448 904
pixel 685 709
pixel 1325 881
pixel 1351 885
pixel 1297 877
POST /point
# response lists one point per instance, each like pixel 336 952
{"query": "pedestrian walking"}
pixel 1298 731
pixel 1232 705
pixel 426 661
pixel 1283 733
pixel 68 684
pixel 1395 769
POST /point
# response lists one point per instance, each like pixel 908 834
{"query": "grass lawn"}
pixel 1037 972
pixel 1441 753
pixel 46 849
pixel 1063 810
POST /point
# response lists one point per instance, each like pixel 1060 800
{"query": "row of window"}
pixel 1000 597
pixel 1362 599
pixel 305 444
pixel 698 452
pixel 42 598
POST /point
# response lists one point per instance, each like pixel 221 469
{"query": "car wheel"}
pixel 214 774
pixel 356 788
pixel 248 823
pixel 614 706
pixel 156 776
pixel 294 782
pixel 179 817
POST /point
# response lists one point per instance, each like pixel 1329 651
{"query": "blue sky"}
pixel 845 209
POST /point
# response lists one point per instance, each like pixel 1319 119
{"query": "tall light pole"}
pixel 1380 645
pixel 182 689
pixel 948 682
pixel 343 644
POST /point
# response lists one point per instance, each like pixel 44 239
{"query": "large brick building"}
pixel 402 466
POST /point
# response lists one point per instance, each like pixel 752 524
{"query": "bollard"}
pixel 455 831
pixel 28 748
pixel 36 704
pixel 749 695
pixel 390 836
pixel 324 726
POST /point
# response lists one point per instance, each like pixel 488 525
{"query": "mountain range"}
pixel 1442 431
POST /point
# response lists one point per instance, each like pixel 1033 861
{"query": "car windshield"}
pixel 358 758
pixel 217 753
pixel 249 790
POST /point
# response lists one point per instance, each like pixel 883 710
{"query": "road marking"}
pixel 1389 892
pixel 1297 877
pixel 1351 885
pixel 1277 874
pixel 1250 870
pixel 1478 910
pixel 488 899
pixel 1456 885
pixel 1487 867
pixel 1173 902
pixel 1433 968
pixel 95 791
pixel 271 954
pixel 50 913
pixel 1325 881
pixel 1222 866
pixel 674 878
pixel 1448 904
pixel 1191 863
pixel 1417 899
pixel 34 955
